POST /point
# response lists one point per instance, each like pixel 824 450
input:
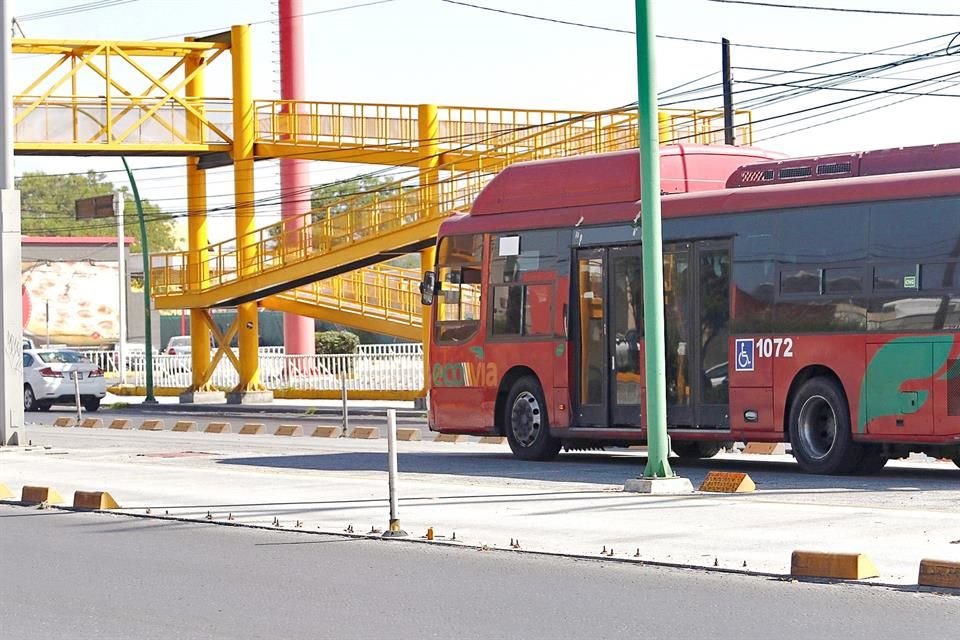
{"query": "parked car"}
pixel 48 379
pixel 178 346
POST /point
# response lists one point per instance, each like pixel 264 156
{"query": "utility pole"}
pixel 11 304
pixel 122 274
pixel 658 477
pixel 728 137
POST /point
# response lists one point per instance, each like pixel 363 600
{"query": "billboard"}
pixel 73 302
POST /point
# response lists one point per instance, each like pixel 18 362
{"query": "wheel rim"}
pixel 27 398
pixel 525 419
pixel 817 427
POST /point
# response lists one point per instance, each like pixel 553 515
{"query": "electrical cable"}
pixel 771 5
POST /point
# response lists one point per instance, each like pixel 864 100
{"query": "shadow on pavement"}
pixel 610 469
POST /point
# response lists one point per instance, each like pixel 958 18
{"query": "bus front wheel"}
pixel 820 429
pixel 525 422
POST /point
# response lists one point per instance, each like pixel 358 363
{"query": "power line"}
pixel 540 18
pixel 72 9
pixel 662 37
pixel 301 15
pixel 771 5
pixel 776 48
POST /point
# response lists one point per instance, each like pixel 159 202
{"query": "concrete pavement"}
pixel 486 498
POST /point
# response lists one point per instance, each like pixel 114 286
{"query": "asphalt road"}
pixel 76 575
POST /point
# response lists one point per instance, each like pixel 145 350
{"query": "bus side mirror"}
pixel 428 287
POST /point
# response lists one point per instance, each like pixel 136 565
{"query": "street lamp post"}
pixel 147 325
pixel 658 477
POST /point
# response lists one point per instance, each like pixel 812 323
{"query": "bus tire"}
pixel 694 450
pixel 525 422
pixel 819 425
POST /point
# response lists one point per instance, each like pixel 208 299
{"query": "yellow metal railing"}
pixel 391 125
pixel 379 292
pixel 80 120
pixel 325 229
pixel 473 129
pixel 112 96
pixel 703 127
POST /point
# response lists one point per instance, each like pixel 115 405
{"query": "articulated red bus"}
pixel 814 301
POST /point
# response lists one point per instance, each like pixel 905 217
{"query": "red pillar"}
pixel 294 174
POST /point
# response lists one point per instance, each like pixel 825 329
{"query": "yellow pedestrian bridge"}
pixel 148 99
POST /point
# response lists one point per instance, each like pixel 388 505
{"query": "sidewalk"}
pixel 487 499
pixel 166 404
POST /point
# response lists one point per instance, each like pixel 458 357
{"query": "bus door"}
pixel 608 336
pixel 696 297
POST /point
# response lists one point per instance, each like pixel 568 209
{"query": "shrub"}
pixel 336 342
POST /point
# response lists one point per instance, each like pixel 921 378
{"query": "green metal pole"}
pixel 147 325
pixel 658 443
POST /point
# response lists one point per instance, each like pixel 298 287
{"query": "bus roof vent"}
pixel 757 176
pixel 833 168
pixel 847 165
pixel 789 173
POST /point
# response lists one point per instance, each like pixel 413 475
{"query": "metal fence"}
pixel 389 367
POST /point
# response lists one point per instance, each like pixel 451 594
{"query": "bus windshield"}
pixel 459 268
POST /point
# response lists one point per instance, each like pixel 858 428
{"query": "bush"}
pixel 336 342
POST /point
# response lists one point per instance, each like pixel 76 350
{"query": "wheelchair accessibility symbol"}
pixel 744 354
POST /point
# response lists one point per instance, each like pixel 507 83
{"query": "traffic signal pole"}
pixel 657 477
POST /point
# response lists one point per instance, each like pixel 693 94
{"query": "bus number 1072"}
pixel 774 347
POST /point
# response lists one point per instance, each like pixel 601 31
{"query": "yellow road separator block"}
pixel 727 482
pixel 152 425
pixel 38 495
pixel 64 421
pixel 93 500
pixel 939 573
pixel 92 423
pixel 326 432
pixel 290 430
pixel 5 492
pixel 183 426
pixel 120 423
pixel 843 566
pixel 365 433
pixel 766 448
pixel 251 429
pixel 218 427
pixel 448 437
pixel 408 433
pixel 493 440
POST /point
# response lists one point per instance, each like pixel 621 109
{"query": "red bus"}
pixel 814 301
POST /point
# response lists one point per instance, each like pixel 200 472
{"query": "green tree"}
pixel 349 195
pixel 47 209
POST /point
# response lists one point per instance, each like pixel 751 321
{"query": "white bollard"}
pixel 76 392
pixel 394 530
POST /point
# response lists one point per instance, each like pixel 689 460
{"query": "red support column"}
pixel 294 174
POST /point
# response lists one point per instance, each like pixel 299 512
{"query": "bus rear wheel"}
pixel 525 422
pixel 819 424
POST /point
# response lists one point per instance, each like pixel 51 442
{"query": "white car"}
pixel 48 379
pixel 178 346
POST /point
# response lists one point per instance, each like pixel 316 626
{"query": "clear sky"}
pixel 416 51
